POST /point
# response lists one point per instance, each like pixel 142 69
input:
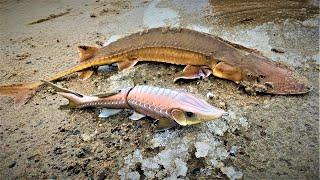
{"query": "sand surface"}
pixel 264 137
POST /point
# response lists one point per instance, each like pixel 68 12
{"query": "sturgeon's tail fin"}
pixel 75 99
pixel 21 93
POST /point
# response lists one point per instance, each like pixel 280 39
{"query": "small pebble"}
pixel 13 163
pixel 222 105
pixel 209 95
pixel 233 150
pixel 85 137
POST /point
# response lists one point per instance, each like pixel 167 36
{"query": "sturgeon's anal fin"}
pixel 126 64
pixel 86 52
pixel 85 74
pixel 136 116
pixel 194 72
pixel 105 112
pixel 164 124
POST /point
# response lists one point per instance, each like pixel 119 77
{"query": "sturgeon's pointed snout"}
pixel 215 113
pixel 274 78
pixel 289 88
pixel 199 110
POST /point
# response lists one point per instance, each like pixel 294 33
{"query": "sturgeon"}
pixel 202 54
pixel 169 107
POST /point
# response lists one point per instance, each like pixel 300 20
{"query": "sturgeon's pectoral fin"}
pixel 85 74
pixel 136 116
pixel 194 72
pixel 164 124
pixel 105 112
pixel 126 64
pixel 86 52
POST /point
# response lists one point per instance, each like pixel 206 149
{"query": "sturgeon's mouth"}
pixel 272 85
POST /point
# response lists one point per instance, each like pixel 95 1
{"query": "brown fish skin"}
pixel 182 47
pixel 158 103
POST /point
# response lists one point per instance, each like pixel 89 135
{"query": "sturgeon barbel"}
pixel 169 107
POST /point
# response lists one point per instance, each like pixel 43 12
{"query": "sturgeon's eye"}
pixel 261 76
pixel 189 114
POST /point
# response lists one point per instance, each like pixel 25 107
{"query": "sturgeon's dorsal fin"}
pixel 86 52
pixel 106 94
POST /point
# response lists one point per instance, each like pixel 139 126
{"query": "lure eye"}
pixel 189 114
